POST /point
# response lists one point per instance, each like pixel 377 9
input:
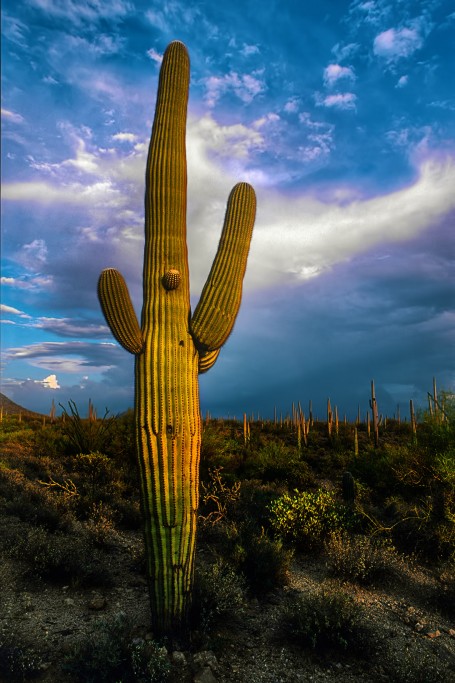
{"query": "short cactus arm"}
pixel 118 310
pixel 218 306
pixel 207 361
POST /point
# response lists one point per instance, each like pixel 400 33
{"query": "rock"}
pixel 433 634
pixel 205 675
pixel 204 659
pixel 97 603
pixel 178 658
pixel 418 627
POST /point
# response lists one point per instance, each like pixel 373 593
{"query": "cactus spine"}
pixel 171 347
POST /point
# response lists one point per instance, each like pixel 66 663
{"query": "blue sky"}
pixel 341 115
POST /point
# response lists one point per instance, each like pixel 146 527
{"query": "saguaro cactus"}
pixel 171 347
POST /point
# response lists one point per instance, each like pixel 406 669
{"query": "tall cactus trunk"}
pixel 171 347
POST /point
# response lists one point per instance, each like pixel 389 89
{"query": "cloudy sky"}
pixel 341 114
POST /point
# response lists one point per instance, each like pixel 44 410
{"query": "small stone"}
pixel 204 659
pixel 433 634
pixel 69 601
pixel 178 658
pixel 418 627
pixel 451 632
pixel 97 603
pixel 204 676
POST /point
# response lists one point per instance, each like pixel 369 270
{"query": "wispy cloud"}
pixel 245 86
pixel 12 116
pixel 155 56
pixel 83 11
pixel 10 310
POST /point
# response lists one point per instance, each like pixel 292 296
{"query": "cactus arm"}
pixel 207 361
pixel 218 306
pixel 118 310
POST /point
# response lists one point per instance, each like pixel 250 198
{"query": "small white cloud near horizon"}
pixel 50 382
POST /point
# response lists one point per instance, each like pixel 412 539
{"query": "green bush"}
pixel 109 653
pixel 326 619
pixel 307 518
pixel 276 462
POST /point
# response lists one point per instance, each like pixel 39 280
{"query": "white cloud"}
pixel 295 237
pixel 345 51
pixel 12 116
pixel 292 105
pixel 402 81
pixel 13 311
pixel 265 120
pixel 246 87
pixel 50 382
pixel 34 283
pixel 334 72
pixel 83 11
pixel 394 44
pixel 125 137
pixel 249 50
pixel 33 256
pixel 157 57
pixel 345 101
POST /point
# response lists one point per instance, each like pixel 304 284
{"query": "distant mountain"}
pixel 10 408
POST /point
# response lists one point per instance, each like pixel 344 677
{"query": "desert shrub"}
pixel 277 462
pixel 360 558
pixel 96 473
pixel 100 525
pixel 217 497
pixel 109 653
pixel 219 593
pixel 326 619
pixel 418 532
pixel 219 449
pixel 307 518
pixel 417 666
pixel 86 435
pixel 445 593
pixel 34 503
pixel 264 562
pixel 61 557
pixel 254 502
pixel 18 662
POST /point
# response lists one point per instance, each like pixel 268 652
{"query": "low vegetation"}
pixel 270 500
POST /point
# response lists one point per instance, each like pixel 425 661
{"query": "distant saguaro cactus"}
pixel 171 346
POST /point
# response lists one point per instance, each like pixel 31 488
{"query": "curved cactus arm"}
pixel 207 361
pixel 218 306
pixel 118 310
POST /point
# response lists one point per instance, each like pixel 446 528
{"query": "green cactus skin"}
pixel 171 348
